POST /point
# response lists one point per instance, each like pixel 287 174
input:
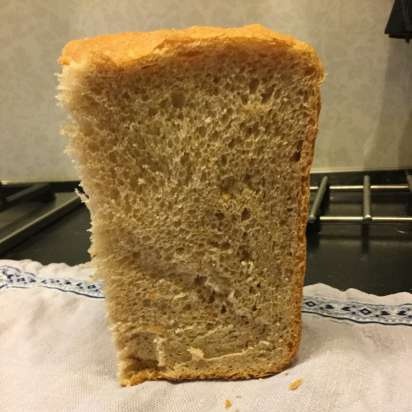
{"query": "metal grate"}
pixel 322 194
pixel 14 195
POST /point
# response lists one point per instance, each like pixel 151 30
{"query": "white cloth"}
pixel 56 353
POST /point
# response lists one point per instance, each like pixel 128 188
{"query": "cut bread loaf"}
pixel 194 148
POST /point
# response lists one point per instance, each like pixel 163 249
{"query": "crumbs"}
pixel 295 384
pixel 228 404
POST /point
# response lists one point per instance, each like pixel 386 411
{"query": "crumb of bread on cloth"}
pixel 295 384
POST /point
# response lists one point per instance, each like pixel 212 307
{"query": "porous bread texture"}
pixel 195 151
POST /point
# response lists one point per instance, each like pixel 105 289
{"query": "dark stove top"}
pixel 374 258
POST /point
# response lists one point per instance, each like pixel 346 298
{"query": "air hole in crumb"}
pixel 244 98
pixel 252 129
pixel 245 214
pixel 201 131
pixel 227 114
pixel 219 215
pixel 152 111
pixel 179 251
pixel 209 325
pixel 223 160
pixel 244 253
pixel 223 309
pixel 267 94
pixel 93 147
pixel 213 243
pixel 277 93
pixel 184 159
pixel 253 85
pixel 214 135
pixel 247 179
pixel 298 151
pixel 258 285
pixel 309 71
pixel 199 280
pixel 254 308
pixel 211 298
pixel 111 157
pixel 282 221
pixel 252 290
pixel 304 93
pixel 227 183
pixel 155 130
pixel 225 246
pixel 178 99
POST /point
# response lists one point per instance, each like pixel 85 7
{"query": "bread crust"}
pixel 123 49
pixel 216 374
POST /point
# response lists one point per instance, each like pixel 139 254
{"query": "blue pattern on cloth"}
pixel 358 312
pixel 12 277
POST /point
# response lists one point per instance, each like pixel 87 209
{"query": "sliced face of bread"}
pixel 194 148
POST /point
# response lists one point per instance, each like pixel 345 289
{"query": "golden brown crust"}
pixel 154 374
pixel 129 48
pixel 306 163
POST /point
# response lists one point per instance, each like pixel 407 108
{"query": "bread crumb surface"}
pixel 295 384
pixel 228 404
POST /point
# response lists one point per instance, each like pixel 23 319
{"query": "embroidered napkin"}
pixel 57 354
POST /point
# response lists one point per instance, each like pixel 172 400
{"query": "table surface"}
pixel 377 261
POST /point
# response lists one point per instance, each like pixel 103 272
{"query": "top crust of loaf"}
pixel 124 49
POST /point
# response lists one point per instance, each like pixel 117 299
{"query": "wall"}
pixel 366 120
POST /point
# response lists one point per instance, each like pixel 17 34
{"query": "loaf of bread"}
pixel 194 148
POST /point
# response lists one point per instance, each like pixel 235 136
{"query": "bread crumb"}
pixel 295 384
pixel 197 354
pixel 228 404
pixel 286 373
